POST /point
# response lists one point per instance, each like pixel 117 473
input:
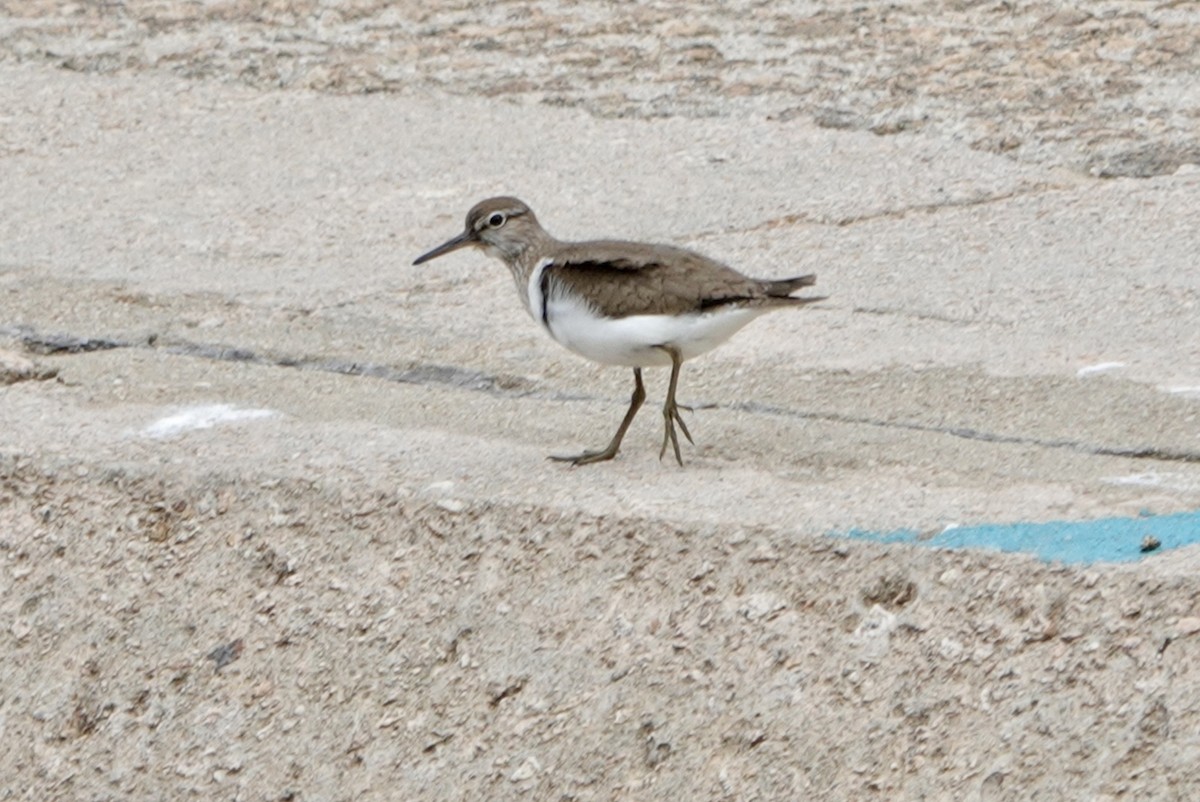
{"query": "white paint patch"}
pixel 1185 391
pixel 1101 367
pixel 201 417
pixel 1135 479
pixel 1165 481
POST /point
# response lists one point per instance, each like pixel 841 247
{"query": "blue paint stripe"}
pixel 1109 540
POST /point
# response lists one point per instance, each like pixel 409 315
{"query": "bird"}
pixel 615 302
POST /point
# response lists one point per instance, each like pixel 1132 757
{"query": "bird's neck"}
pixel 523 258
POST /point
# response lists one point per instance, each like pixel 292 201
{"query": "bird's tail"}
pixel 784 287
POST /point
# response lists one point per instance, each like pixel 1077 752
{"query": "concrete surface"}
pixel 276 520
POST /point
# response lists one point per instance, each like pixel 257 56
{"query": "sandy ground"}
pixel 276 520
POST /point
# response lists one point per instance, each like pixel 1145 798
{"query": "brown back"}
pixel 622 279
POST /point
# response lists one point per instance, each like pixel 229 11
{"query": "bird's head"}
pixel 503 227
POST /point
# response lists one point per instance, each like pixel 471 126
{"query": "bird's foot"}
pixel 671 417
pixel 586 458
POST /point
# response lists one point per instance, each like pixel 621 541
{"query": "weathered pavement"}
pixel 967 295
pixel 281 521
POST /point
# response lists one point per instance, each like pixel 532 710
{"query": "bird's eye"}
pixel 496 220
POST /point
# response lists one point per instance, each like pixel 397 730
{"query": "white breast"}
pixel 636 341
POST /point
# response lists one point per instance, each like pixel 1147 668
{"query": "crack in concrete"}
pixel 415 373
pixel 804 218
pixel 50 344
pixel 517 387
pixel 1150 452
pixel 933 317
pixel 953 203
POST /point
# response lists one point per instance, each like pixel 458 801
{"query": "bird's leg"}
pixel 610 451
pixel 671 409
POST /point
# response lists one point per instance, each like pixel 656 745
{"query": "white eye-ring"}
pixel 496 220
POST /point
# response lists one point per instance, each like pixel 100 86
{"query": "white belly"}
pixel 636 341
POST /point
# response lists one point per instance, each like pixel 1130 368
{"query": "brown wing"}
pixel 621 279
